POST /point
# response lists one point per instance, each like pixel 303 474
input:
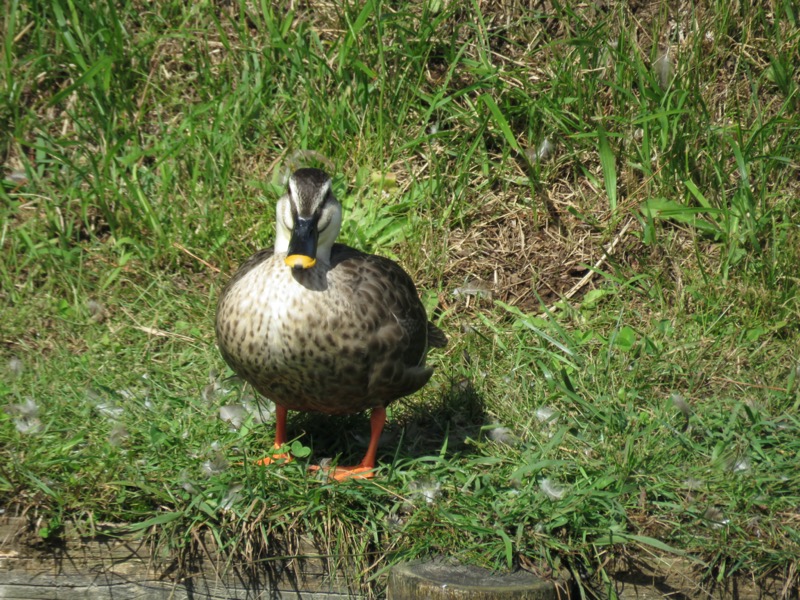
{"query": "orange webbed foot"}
pixel 276 457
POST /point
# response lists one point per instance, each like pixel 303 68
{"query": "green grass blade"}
pixel 608 162
pixel 615 538
pixel 500 121
pixel 161 519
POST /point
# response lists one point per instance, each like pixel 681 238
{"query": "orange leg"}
pixel 280 438
pixel 366 469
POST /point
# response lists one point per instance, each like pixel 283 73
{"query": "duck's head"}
pixel 308 219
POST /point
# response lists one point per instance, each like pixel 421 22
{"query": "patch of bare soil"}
pixel 526 252
pixel 655 576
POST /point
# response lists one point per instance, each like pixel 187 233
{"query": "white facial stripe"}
pixel 323 193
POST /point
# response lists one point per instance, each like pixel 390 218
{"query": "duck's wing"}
pixel 391 315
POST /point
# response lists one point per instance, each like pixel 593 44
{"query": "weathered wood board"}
pixel 101 568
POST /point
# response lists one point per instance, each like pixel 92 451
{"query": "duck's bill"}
pixel 303 245
pixel 299 261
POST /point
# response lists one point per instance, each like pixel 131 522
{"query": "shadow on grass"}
pixel 413 430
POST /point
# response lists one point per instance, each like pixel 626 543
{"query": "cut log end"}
pixel 439 580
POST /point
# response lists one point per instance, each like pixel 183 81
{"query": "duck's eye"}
pixel 324 219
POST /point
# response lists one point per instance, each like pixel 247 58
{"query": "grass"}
pixel 589 406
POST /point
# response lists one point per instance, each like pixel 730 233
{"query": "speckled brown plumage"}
pixel 345 335
pixel 334 340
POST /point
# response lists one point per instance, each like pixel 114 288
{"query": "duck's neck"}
pixel 282 240
pixel 324 255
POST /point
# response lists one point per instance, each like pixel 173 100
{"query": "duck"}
pixel 317 326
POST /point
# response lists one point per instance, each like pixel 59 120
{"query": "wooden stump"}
pixel 439 580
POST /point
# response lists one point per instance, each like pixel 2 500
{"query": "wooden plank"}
pixel 103 568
